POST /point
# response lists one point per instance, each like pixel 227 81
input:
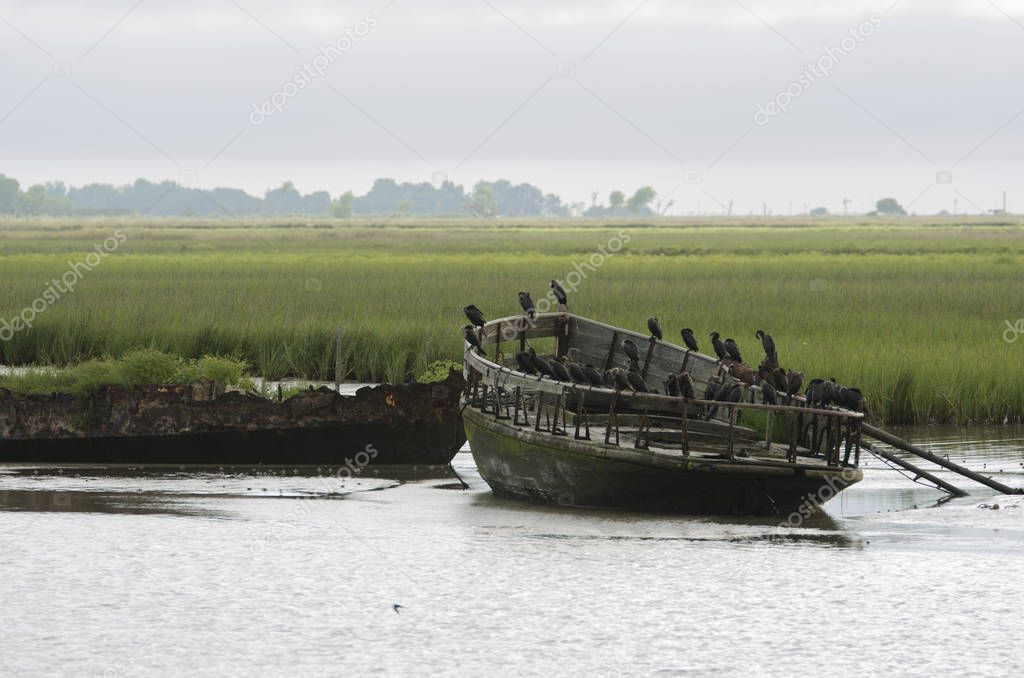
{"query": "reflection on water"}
pixel 226 571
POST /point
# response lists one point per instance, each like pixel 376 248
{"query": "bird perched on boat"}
pixel 621 381
pixel 851 399
pixel 655 327
pixel 780 380
pixel 630 349
pixel 575 371
pixel 733 349
pixel 794 380
pixel 719 347
pixel 539 364
pixel 527 303
pixel 768 393
pixel 815 392
pixel 690 340
pixel 711 390
pixel 634 365
pixel 731 393
pixel 469 332
pixel 636 381
pixel 475 315
pixel 525 363
pixel 672 385
pixel 559 370
pixel 686 385
pixel 609 379
pixel 768 344
pixel 563 300
pixel 593 375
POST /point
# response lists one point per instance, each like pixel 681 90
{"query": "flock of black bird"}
pixel 773 380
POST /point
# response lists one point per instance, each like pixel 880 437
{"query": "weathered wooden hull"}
pixel 522 463
pixel 403 424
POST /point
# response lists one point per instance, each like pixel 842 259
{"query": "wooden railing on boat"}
pixel 509 394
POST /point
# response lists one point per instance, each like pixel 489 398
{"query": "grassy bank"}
pixel 913 312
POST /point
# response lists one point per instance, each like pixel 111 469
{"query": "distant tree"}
pixel 342 205
pixel 819 212
pixel 616 199
pixel 484 204
pixel 10 190
pixel 889 206
pixel 33 201
pixel 640 201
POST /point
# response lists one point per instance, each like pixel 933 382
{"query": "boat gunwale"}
pixel 485 367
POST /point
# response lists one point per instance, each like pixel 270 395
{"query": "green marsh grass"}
pixel 913 313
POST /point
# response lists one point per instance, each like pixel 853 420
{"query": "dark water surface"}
pixel 140 572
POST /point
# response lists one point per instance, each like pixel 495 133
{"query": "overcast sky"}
pixel 572 96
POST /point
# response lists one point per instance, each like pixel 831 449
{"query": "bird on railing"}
pixel 524 362
pixel 527 303
pixel 540 364
pixel 636 381
pixel 779 379
pixel 794 380
pixel 560 295
pixel 733 349
pixel 767 393
pixel 475 315
pixel 852 399
pixel 768 344
pixel 469 332
pixel 576 374
pixel 608 379
pixel 686 385
pixel 593 375
pixel 815 392
pixel 559 370
pixel 719 347
pixel 621 380
pixel 655 327
pixel 731 393
pixel 713 385
pixel 690 340
pixel 672 385
pixel 630 349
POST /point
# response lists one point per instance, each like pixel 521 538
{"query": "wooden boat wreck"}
pixel 199 424
pixel 591 446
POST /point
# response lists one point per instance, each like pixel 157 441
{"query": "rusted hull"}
pixel 406 424
pixel 559 470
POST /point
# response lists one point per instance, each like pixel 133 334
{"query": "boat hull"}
pixel 559 470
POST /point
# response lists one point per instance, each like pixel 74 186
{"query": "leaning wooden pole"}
pixel 902 444
pixel 920 472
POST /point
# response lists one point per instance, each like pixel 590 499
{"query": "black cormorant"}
pixel 672 385
pixel 539 364
pixel 469 332
pixel 636 382
pixel 560 371
pixel 768 344
pixel 621 381
pixel 593 375
pixel 563 300
pixel 655 327
pixel 779 379
pixel 733 350
pixel 768 393
pixel 719 347
pixel 794 381
pixel 690 340
pixel 475 315
pixel 686 385
pixel 525 363
pixel 527 303
pixel 629 348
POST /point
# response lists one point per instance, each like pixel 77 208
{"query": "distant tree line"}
pixel 168 198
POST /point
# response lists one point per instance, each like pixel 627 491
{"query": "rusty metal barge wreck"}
pixel 570 443
pixel 198 425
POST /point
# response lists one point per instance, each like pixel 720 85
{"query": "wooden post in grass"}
pixel 337 358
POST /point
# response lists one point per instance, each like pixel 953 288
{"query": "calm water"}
pixel 207 573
